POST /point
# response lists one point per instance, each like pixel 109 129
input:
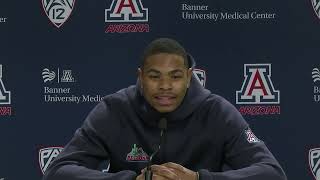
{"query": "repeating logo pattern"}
pixel 314 162
pixel 47 155
pixel 58 11
pixel 257 87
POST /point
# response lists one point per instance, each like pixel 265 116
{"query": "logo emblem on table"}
pixel 314 162
pixel 137 155
pixel 58 11
pixel 47 155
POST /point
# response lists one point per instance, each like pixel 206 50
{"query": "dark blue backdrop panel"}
pixel 83 62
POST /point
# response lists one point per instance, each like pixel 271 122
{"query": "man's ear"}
pixel 189 73
pixel 140 77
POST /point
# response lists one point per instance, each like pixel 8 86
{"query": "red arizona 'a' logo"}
pixel 257 87
pixel 5 97
pixel 126 11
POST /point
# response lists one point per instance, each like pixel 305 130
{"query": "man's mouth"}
pixel 165 100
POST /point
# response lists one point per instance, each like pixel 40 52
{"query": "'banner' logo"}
pixel 47 155
pixel 5 96
pixel 65 77
pixel 315 74
pixel 126 11
pixel 48 75
pixel 58 11
pixel 257 87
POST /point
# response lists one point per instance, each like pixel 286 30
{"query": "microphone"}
pixel 163 126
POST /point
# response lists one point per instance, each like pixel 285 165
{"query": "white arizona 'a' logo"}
pixel 314 162
pixel 5 96
pixel 67 76
pixel 200 76
pixel 126 11
pixel 47 155
pixel 257 87
pixel 58 11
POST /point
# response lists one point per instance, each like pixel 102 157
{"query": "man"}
pixel 203 131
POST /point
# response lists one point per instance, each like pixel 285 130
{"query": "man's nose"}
pixel 165 84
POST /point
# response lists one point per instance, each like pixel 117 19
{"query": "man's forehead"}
pixel 164 61
pixel 169 71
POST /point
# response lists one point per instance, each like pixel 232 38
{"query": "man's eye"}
pixel 177 77
pixel 153 76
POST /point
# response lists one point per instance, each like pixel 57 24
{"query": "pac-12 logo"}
pixel 257 87
pixel 314 162
pixel 58 11
pixel 5 96
pixel 47 155
pixel 126 11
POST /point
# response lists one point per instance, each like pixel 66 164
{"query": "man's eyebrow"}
pixel 153 71
pixel 170 72
pixel 176 71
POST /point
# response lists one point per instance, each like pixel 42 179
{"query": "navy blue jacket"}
pixel 204 133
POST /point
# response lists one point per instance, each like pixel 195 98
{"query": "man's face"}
pixel 164 81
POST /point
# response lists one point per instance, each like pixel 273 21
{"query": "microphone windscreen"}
pixel 163 123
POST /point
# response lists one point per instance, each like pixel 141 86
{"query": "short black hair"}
pixel 164 45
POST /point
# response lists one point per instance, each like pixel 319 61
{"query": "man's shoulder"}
pixel 215 99
pixel 121 96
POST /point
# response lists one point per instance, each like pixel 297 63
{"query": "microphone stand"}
pixel 163 126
